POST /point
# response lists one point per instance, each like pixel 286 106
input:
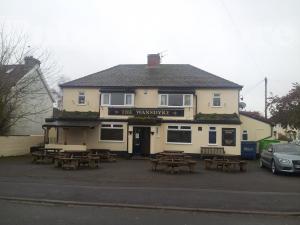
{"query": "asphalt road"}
pixel 12 213
pixel 180 197
pixel 132 182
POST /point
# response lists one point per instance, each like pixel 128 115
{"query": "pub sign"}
pixel 146 112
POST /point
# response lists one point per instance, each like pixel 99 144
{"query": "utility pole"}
pixel 266 97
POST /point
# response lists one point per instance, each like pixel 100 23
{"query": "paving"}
pixel 133 182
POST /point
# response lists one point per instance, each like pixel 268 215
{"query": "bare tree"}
pixel 21 98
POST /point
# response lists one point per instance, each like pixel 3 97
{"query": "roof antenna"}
pixel 162 54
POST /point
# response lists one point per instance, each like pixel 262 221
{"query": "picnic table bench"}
pixel 45 155
pixel 225 164
pixel 212 151
pixel 173 160
pixel 76 159
pixel 105 154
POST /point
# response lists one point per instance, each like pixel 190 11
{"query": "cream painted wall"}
pixel 158 140
pixel 149 98
pixel 67 147
pixel 229 101
pixel 70 99
pixel 18 145
pixel 257 130
pixel 200 139
pixel 95 142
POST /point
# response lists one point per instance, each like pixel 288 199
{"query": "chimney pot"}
pixel 153 60
pixel 31 61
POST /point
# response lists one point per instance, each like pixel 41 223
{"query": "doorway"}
pixel 141 141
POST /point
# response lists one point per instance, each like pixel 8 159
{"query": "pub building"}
pixel 143 109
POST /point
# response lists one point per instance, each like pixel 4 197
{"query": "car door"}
pixel 268 156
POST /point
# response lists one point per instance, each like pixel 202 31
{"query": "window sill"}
pixel 178 143
pixel 122 106
pixel 212 144
pixel 111 141
pixel 81 104
pixel 216 106
pixel 166 106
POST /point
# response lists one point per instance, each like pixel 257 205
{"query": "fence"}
pixel 18 145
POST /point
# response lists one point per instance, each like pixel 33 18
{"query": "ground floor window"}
pixel 228 136
pixel 111 132
pixel 212 136
pixel 179 134
pixel 245 135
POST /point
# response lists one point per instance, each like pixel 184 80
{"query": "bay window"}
pixel 175 100
pixel 179 134
pixel 117 99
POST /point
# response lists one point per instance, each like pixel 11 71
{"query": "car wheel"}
pixel 273 167
pixel 261 165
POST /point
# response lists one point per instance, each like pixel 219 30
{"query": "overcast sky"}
pixel 240 40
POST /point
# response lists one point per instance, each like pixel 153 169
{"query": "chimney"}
pixel 153 60
pixel 30 61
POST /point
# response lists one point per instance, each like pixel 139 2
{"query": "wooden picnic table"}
pixel 76 159
pixel 45 155
pixel 172 160
pixel 226 164
pixel 105 154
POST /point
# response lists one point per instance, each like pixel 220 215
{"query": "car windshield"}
pixel 287 148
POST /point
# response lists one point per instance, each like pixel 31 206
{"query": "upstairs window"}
pixel 175 100
pixel 212 136
pixel 179 134
pixel 217 100
pixel 117 99
pixel 245 135
pixel 81 98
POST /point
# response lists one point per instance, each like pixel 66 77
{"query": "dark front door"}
pixel 141 141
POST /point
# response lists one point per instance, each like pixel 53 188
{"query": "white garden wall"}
pixel 18 145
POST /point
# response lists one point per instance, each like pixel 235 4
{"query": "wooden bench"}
pixel 105 154
pixel 212 151
pixel 69 163
pixel 173 164
pixel 225 164
pixel 242 165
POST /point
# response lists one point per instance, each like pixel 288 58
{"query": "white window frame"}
pixel 212 130
pixel 80 94
pixel 245 132
pixel 183 103
pixel 179 128
pixel 109 99
pixel 213 97
pixel 111 126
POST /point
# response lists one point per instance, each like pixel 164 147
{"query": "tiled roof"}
pixel 166 75
pixel 218 118
pixel 256 117
pixel 11 74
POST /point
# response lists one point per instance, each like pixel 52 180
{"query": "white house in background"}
pixel 289 132
pixel 37 100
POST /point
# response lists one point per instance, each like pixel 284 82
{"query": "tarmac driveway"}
pixel 132 182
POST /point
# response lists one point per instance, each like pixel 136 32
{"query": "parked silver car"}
pixel 281 158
